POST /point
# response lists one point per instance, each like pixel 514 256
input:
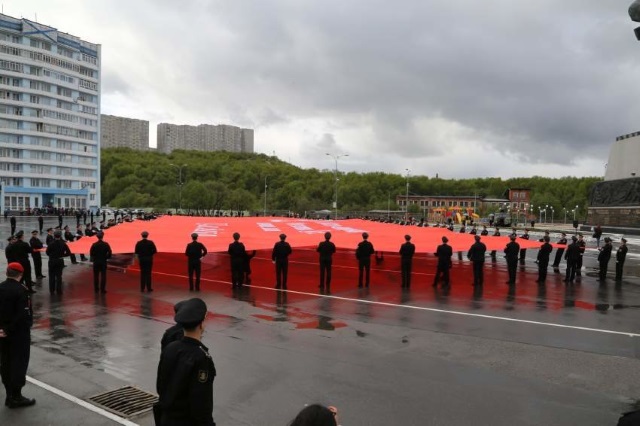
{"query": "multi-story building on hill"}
pixel 205 137
pixel 122 132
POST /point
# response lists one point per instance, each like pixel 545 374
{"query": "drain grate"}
pixel 125 402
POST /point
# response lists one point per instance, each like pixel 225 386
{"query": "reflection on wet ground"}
pixel 304 344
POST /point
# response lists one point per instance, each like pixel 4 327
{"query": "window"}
pixel 515 195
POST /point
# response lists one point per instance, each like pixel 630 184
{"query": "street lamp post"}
pixel 264 213
pixel 180 183
pixel 574 213
pixel 565 215
pixel 406 212
pixel 336 157
pixel 552 212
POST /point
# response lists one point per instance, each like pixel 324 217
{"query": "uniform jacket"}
pixel 281 251
pixel 237 252
pixel 15 307
pixel 621 254
pixel 195 251
pixel 100 252
pixel 477 251
pixel 512 251
pixel 444 253
pixel 544 252
pixel 145 249
pixel 407 250
pixel 605 253
pixel 364 251
pixel 185 383
pixel 326 250
pixel 573 253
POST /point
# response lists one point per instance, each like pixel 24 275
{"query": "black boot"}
pixel 17 400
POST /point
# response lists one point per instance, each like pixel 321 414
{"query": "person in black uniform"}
pixel 9 251
pixel 326 249
pixel 40 223
pixel 603 258
pixel 70 237
pixel 195 251
pixel 22 250
pixel 186 373
pixel 36 249
pixel 543 259
pixel 145 250
pixel 363 254
pixel 99 253
pixel 559 252
pixel 237 255
pixel 49 238
pixel 443 253
pixel 571 255
pixel 621 255
pixel 16 319
pixel 13 224
pixel 59 220
pixel 496 233
pixel 523 252
pixel 484 231
pixel 582 245
pixel 511 252
pixel 56 251
pixel 476 255
pixel 407 250
pixel 280 256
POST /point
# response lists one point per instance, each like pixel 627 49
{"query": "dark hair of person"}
pixel 314 415
pixel 12 273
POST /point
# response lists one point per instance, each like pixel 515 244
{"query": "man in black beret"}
pixel 476 255
pixel 22 252
pixel 56 251
pixel 280 256
pixel 237 255
pixel 571 255
pixel 186 372
pixel 621 255
pixel 603 259
pixel 99 253
pixel 145 250
pixel 36 249
pixel 326 249
pixel 407 250
pixel 195 251
pixel 16 319
pixel 511 252
pixel 443 253
pixel 363 254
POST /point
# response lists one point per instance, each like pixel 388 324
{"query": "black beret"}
pixel 57 234
pixel 191 312
pixel 19 234
pixel 100 235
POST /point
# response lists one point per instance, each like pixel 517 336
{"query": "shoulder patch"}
pixel 203 375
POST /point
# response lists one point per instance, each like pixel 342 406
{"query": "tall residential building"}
pixel 49 117
pixel 117 132
pixel 205 137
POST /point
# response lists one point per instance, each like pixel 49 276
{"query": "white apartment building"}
pixel 122 132
pixel 49 118
pixel 205 137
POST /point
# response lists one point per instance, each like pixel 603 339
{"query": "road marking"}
pixel 424 308
pixel 81 403
pixel 468 314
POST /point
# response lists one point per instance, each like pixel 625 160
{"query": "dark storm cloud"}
pixel 540 81
pixel 526 77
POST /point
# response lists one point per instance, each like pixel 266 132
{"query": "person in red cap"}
pixel 16 319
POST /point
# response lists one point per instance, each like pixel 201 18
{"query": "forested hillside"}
pixel 222 180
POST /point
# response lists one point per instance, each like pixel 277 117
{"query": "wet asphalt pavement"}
pixel 552 355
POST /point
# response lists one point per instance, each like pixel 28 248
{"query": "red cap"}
pixel 15 266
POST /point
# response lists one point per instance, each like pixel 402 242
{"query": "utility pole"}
pixel 180 183
pixel 336 157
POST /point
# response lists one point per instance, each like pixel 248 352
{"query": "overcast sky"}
pixel 461 88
